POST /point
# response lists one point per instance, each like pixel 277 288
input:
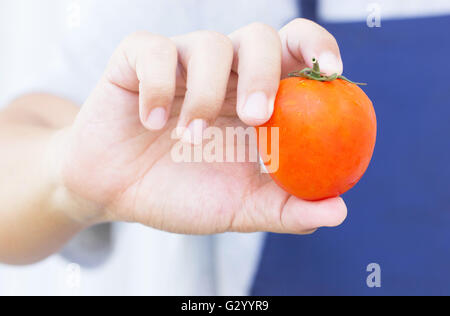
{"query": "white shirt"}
pixel 62 47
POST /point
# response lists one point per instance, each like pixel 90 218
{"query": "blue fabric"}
pixel 308 9
pixel 399 214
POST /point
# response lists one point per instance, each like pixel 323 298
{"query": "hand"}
pixel 117 153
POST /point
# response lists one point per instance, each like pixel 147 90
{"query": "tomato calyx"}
pixel 315 74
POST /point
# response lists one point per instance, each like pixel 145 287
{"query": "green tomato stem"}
pixel 315 74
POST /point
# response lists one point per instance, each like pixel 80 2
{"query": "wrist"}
pixel 61 197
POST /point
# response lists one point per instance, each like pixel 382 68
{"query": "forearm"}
pixel 37 214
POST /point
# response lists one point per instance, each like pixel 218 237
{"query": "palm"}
pixel 130 170
pixel 192 197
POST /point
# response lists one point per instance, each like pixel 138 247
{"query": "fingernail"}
pixel 257 107
pixel 330 64
pixel 194 133
pixel 157 119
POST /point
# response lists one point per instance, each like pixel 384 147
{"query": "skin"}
pixel 66 169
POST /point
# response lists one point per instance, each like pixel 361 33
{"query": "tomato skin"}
pixel 327 137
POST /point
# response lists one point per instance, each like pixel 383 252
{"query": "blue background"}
pixel 399 214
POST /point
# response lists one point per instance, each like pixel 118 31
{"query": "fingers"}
pixel 271 209
pixel 257 61
pixel 207 58
pixel 262 55
pixel 147 64
pixel 302 40
pixel 300 216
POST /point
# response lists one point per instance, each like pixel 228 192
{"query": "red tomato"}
pixel 327 134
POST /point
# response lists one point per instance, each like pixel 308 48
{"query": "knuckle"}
pixel 163 89
pixel 162 45
pixel 137 37
pixel 300 22
pixel 152 42
pixel 206 103
pixel 205 99
pixel 158 100
pixel 215 39
pixel 258 27
pixel 160 94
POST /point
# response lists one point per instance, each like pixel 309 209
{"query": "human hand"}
pixel 117 155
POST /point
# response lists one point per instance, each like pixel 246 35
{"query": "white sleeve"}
pixel 33 57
